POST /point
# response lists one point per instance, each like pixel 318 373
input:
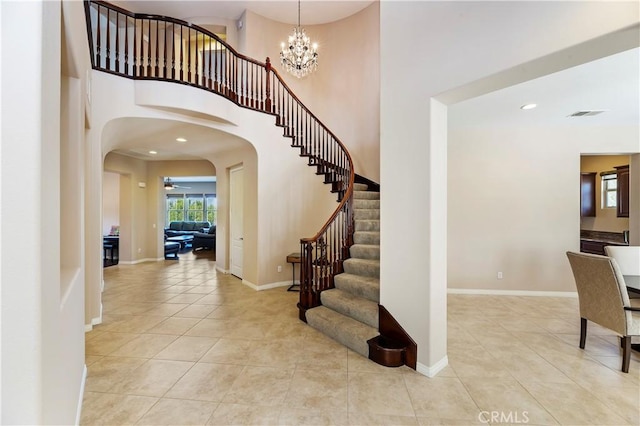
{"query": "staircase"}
pixel 340 265
pixel 349 312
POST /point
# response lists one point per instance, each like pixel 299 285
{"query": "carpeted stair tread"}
pixel 366 287
pixel 347 331
pixel 364 267
pixel 364 214
pixel 366 195
pixel 367 225
pixel 365 251
pixel 358 308
pixel 366 204
pixel 363 237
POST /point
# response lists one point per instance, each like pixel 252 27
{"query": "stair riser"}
pixel 365 311
pixel 366 214
pixel 365 290
pixel 360 187
pixel 366 238
pixel 362 251
pixel 357 268
pixel 366 204
pixel 366 195
pixel 367 225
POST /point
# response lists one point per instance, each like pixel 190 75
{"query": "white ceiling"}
pixel 137 136
pixel 311 11
pixel 611 84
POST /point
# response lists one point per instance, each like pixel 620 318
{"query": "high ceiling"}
pixel 610 84
pixel 311 11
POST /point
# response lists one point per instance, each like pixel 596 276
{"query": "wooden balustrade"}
pixel 151 47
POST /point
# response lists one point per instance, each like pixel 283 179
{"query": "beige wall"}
pixel 514 203
pixel 344 92
pixel 605 219
pixel 133 230
pixel 110 201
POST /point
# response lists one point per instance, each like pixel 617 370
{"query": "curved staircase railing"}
pixel 152 47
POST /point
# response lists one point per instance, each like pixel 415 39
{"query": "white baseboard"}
pixel 224 271
pixel 81 396
pixel 431 371
pixel 135 262
pixel 94 321
pixel 513 292
pixel 266 286
pixel 249 284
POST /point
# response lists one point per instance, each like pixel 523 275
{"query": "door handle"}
pixel 241 239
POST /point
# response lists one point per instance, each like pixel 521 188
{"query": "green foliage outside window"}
pixel 191 207
pixel 211 208
pixel 195 208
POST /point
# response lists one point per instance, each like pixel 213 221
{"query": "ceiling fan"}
pixel 168 185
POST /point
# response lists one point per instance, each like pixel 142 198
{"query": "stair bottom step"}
pixel 347 331
pixel 386 352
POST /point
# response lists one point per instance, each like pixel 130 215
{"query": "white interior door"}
pixel 236 213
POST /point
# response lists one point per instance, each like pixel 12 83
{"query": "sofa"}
pixel 186 228
pixel 204 240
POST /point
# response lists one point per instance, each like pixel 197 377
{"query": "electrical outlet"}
pixel 500 275
pixel 139 250
pixel 279 268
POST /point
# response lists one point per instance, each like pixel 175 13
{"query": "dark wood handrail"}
pixel 154 54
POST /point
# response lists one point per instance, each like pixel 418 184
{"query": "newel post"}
pixel 267 101
pixel 306 280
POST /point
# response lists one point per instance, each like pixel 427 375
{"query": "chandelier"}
pixel 299 56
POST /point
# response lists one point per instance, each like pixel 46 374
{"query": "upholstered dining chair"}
pixel 603 299
pixel 627 257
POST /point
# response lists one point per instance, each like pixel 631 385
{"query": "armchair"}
pixel 204 240
pixel 603 299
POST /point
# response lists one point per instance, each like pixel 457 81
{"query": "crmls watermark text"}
pixel 513 417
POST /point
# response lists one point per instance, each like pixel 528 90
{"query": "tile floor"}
pixel 183 344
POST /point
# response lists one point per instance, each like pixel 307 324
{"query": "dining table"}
pixel 632 282
pixel 633 285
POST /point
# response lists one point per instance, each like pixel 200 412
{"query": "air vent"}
pixel 586 113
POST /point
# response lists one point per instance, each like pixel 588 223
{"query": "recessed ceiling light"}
pixel 528 106
pixel 153 152
pixel 181 139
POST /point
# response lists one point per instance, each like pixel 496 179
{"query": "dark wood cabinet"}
pixel 596 247
pixel 593 247
pixel 623 191
pixel 587 194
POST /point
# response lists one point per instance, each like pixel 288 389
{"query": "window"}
pixel 175 208
pixel 212 207
pixel 609 190
pixel 191 207
pixel 195 208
